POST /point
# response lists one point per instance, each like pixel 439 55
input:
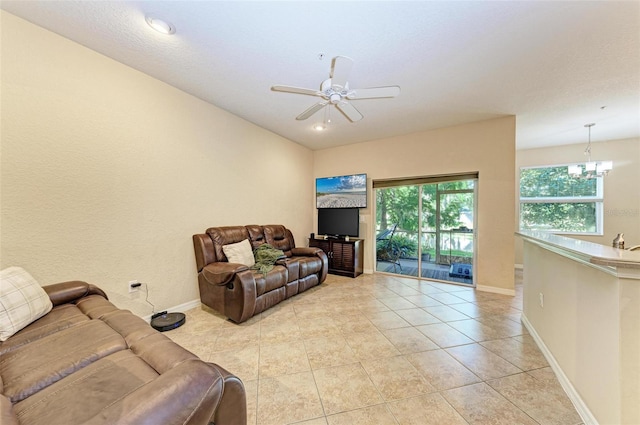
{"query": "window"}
pixel 553 201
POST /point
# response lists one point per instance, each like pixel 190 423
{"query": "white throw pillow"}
pixel 240 253
pixel 22 300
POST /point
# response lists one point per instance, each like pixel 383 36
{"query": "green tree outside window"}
pixel 552 200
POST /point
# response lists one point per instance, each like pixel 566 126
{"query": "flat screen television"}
pixel 339 222
pixel 342 191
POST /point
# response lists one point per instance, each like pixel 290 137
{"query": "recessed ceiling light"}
pixel 161 26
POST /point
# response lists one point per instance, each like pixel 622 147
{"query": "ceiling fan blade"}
pixel 374 92
pixel 297 90
pixel 312 110
pixel 349 111
pixel 340 71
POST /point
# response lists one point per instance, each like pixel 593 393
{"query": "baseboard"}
pixel 493 289
pixel 367 271
pixel 179 308
pixel 578 403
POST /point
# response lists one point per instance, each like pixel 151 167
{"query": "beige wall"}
pixel 621 186
pixel 106 172
pixel 587 325
pixel 487 147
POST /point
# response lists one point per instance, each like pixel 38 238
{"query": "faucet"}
pixel 618 241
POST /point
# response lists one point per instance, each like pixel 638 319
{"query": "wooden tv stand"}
pixel 345 257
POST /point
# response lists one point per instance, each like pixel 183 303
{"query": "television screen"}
pixel 342 191
pixel 339 222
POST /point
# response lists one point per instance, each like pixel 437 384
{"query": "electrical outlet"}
pixel 134 286
pixel 541 299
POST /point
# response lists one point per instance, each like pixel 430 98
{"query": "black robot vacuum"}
pixel 166 321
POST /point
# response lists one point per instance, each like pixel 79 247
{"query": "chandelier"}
pixel 591 169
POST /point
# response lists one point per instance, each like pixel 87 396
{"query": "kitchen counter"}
pixel 581 304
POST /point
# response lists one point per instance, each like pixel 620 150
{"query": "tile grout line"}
pixel 501 309
pixel 313 376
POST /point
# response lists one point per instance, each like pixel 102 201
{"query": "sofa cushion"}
pixel 7 415
pixel 22 300
pixel 60 317
pixel 309 265
pixel 100 384
pixel 226 235
pixel 279 237
pixel 274 279
pixel 256 235
pixel 37 365
pixel 293 268
pixel 239 253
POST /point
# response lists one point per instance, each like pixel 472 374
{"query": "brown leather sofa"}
pixel 238 292
pixel 88 362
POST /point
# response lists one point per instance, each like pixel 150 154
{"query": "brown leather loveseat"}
pixel 239 292
pixel 88 362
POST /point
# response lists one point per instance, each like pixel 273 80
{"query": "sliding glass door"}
pixel 397 212
pixel 427 229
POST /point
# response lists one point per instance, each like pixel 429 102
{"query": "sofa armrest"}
pixel 305 251
pixel 68 292
pixel 233 406
pixel 222 273
pixel 190 394
pixel 203 247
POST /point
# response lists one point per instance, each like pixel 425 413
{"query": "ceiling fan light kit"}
pixel 335 91
pixel 324 125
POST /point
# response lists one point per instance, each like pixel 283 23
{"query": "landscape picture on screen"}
pixel 342 191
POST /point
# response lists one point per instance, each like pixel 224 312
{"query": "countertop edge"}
pixel 591 252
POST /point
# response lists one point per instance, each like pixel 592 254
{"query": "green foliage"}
pixel 451 204
pixel 554 182
pixel 399 205
pixel 405 245
pixel 562 217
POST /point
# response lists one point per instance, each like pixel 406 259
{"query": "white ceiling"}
pixel 552 64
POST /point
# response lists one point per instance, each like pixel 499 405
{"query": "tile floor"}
pixel 381 350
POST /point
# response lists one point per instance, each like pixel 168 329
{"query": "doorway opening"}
pixel 425 227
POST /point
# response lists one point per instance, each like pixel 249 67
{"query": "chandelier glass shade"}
pixel 590 169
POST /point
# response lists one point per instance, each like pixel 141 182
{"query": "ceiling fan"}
pixel 336 91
